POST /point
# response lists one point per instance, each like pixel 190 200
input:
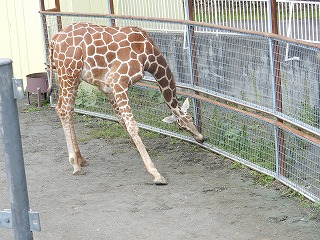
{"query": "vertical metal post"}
pixel 44 27
pixel 46 40
pixel 13 156
pixel 110 6
pixel 193 61
pixel 216 19
pixel 59 20
pixel 45 31
pixel 277 87
pixel 44 20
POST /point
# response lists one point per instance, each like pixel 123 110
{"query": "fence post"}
pixel 277 88
pixel 189 10
pixel 110 7
pixel 59 20
pixel 44 20
pixel 13 156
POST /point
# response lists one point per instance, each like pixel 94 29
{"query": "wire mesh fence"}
pixel 245 14
pixel 235 86
pixel 296 19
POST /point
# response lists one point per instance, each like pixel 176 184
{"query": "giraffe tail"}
pixel 50 65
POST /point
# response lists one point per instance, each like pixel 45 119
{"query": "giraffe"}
pixel 112 59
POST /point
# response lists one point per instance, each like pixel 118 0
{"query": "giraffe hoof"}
pixel 78 172
pixel 160 181
pixel 84 163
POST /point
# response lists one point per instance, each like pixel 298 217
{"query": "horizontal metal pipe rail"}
pixel 184 22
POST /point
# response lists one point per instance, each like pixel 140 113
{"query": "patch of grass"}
pixel 261 178
pixel 109 131
pixel 86 119
pixel 310 114
pixel 237 165
pixel 290 193
pixel 32 109
pixel 149 134
pixel 315 210
pixel 316 206
pixel 45 103
pixel 244 137
pixel 174 140
pixel 312 207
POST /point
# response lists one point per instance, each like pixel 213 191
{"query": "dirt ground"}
pixel 206 198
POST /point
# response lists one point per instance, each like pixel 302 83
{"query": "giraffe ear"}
pixel 185 105
pixel 170 119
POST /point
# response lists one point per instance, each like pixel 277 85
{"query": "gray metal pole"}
pixel 276 87
pixel 193 65
pixel 13 156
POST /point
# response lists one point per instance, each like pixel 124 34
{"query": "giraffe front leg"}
pixel 158 178
pixel 132 128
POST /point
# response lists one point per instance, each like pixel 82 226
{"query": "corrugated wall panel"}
pixel 22 39
pixel 5 43
pixel 86 6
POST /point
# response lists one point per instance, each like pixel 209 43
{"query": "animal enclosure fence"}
pixel 296 19
pixel 253 104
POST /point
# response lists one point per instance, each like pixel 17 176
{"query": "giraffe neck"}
pixel 159 68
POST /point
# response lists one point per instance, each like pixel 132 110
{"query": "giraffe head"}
pixel 185 121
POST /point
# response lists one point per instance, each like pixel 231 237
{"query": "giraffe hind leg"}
pixel 65 110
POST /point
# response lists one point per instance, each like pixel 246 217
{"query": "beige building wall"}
pixel 21 31
pixel 84 6
pixel 21 36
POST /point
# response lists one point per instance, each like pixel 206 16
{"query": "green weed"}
pixel 310 115
pixel 237 165
pixel 109 131
pixel 32 109
pixel 261 179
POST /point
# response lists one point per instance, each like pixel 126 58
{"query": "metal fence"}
pixel 255 107
pixel 296 19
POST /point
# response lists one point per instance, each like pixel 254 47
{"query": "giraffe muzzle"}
pixel 199 138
